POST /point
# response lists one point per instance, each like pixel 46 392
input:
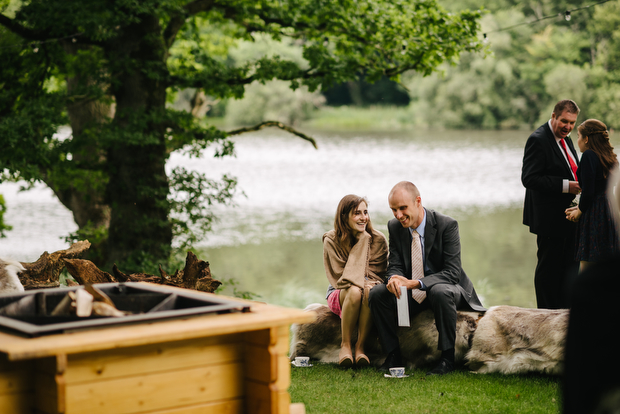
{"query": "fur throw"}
pixel 513 340
pixel 505 339
pixel 320 339
pixel 9 282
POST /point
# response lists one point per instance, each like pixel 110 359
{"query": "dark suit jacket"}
pixel 544 168
pixel 442 252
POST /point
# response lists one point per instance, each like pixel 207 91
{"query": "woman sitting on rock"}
pixel 355 259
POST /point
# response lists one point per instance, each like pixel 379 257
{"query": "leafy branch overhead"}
pixel 339 39
pixel 109 70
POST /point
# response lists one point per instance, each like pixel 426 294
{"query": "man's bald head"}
pixel 406 186
pixel 406 204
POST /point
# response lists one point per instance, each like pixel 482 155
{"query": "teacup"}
pixel 302 361
pixel 397 372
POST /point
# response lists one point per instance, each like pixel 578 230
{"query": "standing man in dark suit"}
pixel 549 176
pixel 432 275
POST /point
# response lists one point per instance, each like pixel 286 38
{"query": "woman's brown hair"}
pixel 598 141
pixel 344 234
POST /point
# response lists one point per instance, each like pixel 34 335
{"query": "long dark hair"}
pixel 344 234
pixel 598 141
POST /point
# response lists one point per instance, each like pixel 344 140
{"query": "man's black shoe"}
pixel 393 359
pixel 442 368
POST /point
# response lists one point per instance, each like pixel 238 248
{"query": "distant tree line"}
pixel 361 93
pixel 530 67
pixel 514 85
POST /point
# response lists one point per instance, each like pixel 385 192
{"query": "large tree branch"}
pixel 20 30
pixel 37 36
pixel 239 80
pixel 178 21
pixel 277 125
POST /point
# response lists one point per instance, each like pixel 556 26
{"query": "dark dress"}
pixel 597 237
pixel 591 382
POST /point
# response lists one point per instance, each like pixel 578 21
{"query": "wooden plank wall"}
pixel 229 374
pixel 16 386
pixel 185 377
pixel 267 371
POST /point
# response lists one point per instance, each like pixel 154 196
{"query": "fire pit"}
pixel 178 352
pixel 32 313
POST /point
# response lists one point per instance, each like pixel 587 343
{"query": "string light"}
pixel 566 14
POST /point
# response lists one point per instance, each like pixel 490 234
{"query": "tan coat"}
pixel 364 266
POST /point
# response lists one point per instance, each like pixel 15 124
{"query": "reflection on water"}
pixel 271 242
pixel 39 222
pixel 283 175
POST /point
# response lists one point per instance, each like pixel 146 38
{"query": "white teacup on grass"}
pixel 302 361
pixel 397 372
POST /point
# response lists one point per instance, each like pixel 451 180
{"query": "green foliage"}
pixel 273 101
pixel 230 287
pixel 192 196
pixel 3 226
pixel 109 70
pixel 96 235
pixel 531 68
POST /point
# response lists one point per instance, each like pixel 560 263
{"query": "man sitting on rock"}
pixel 432 275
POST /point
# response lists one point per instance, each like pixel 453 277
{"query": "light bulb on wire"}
pixel 567 16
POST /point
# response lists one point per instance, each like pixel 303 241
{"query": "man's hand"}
pixel 573 187
pixel 397 281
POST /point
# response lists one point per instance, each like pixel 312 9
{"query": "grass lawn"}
pixel 375 118
pixel 326 388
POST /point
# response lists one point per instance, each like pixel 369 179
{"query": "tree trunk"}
pixel 355 91
pixel 84 195
pixel 138 186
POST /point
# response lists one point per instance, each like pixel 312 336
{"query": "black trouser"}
pixel 555 271
pixel 443 299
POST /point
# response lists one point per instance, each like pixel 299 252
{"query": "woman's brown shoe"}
pixel 362 360
pixel 345 358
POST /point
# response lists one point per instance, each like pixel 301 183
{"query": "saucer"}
pixel 300 366
pixel 390 376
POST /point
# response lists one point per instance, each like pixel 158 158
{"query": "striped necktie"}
pixel 417 266
pixel 573 165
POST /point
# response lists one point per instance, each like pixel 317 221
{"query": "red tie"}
pixel 573 166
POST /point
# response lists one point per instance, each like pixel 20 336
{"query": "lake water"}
pixel 269 244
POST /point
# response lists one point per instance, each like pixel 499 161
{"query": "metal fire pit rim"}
pixel 213 305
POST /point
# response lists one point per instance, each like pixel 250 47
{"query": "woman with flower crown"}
pixel 597 235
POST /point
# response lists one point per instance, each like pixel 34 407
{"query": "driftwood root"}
pixel 45 271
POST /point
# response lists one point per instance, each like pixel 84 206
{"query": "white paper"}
pixel 402 306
